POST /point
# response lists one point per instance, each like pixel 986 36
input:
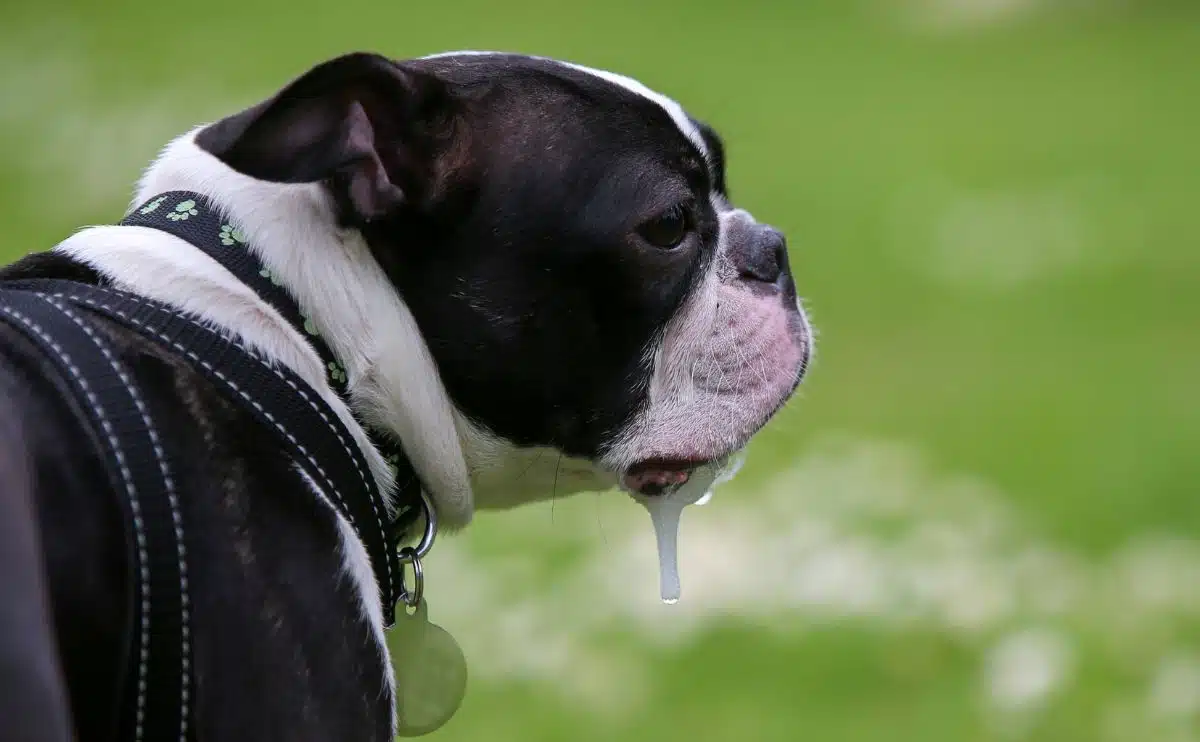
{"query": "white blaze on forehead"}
pixel 684 122
pixel 673 109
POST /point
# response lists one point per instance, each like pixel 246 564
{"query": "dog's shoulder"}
pixel 281 643
pixel 49 264
pixel 275 649
pixel 79 522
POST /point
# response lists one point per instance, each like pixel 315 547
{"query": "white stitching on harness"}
pixel 243 395
pixel 176 515
pixel 135 506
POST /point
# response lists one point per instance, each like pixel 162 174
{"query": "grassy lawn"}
pixel 978 523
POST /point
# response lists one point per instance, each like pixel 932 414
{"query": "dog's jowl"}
pixel 486 277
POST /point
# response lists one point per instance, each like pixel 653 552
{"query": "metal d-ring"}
pixel 412 555
pixel 412 598
pixel 431 526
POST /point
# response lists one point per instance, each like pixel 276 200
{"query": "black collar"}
pixel 194 219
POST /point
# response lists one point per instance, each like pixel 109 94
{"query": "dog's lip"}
pixel 667 464
pixel 655 476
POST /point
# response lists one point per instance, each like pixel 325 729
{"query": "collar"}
pixel 194 219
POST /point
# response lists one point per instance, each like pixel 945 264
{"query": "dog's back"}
pixel 276 652
pixel 63 567
pixel 502 256
pixel 33 697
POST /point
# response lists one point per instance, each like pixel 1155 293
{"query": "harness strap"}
pixel 196 220
pixel 276 397
pixel 191 218
pixel 138 464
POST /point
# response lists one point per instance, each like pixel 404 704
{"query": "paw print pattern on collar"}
pixel 337 374
pixel 184 210
pixel 231 236
pixel 152 206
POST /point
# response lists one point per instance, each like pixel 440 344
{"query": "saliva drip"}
pixel 665 511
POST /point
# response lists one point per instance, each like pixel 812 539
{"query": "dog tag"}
pixel 665 511
pixel 431 673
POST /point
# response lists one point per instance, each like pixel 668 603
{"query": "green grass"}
pixel 996 230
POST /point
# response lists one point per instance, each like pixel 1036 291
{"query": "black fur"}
pixel 507 199
pixel 33 697
pixel 282 650
pixel 493 140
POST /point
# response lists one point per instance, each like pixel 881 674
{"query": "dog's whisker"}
pixel 466 364
pixel 554 491
pixel 529 466
pixel 600 521
pixel 759 369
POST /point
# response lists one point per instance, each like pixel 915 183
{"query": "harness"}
pixel 56 315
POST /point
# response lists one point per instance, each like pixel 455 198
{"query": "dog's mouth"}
pixel 659 476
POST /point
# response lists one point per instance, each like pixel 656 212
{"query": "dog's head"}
pixel 596 308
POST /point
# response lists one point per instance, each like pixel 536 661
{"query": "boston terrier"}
pixel 536 284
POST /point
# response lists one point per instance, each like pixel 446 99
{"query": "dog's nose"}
pixel 765 256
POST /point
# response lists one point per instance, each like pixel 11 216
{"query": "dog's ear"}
pixel 376 133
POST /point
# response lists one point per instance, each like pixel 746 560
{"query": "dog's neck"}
pixel 394 384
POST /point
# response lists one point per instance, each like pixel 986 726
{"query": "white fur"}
pixel 680 410
pixel 724 361
pixel 515 475
pixel 393 381
pixel 357 565
pixel 673 109
pixel 163 267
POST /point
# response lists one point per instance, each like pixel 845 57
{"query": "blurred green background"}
pixel 978 522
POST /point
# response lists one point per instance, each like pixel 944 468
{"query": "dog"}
pixel 537 284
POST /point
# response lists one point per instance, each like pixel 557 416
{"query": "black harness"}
pixel 56 316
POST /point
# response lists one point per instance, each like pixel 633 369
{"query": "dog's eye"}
pixel 667 229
